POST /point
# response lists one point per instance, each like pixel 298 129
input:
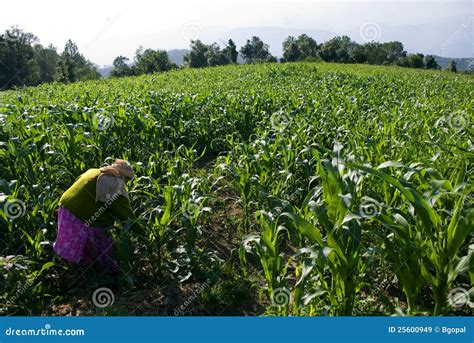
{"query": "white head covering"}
pixel 110 182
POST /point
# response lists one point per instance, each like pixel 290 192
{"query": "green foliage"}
pixel 146 62
pixel 230 51
pixel 337 49
pixel 25 62
pixel 435 237
pixel 121 67
pixel 430 62
pixel 299 49
pixel 151 61
pixel 334 207
pixel 72 66
pixel 412 61
pixel 230 295
pixel 256 51
pixel 452 66
pixel 18 65
pixel 47 59
pixel 202 55
pixel 196 57
pixel 302 149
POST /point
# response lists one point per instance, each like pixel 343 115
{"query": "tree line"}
pixel 199 55
pixel 340 49
pixel 25 62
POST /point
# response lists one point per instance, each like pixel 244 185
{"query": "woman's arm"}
pixel 122 211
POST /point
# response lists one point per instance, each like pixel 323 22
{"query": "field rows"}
pixel 338 189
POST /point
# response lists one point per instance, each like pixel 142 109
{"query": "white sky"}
pixel 104 29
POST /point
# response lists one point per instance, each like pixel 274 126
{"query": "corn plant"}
pixel 438 236
pixel 328 219
pixel 266 248
pixel 245 185
pixel 270 127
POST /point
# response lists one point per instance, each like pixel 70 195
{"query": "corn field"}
pixel 292 189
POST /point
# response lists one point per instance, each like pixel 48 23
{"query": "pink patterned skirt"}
pixel 76 242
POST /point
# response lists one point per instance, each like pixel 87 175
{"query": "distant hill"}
pixel 461 63
pixel 104 71
pixel 176 56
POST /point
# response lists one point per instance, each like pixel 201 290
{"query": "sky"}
pixel 104 29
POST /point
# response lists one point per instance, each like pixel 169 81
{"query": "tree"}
pixel 256 51
pixel 18 66
pixel 416 61
pixel 393 52
pixel 358 54
pixel 203 55
pixel 452 66
pixel 151 61
pixel 230 51
pixel 412 61
pixel 291 52
pixel 430 62
pixel 403 62
pixel 47 59
pixel 72 66
pixel 337 49
pixel 215 56
pixel 68 64
pixel 25 62
pixel 121 67
pixel 307 47
pixel 299 49
pixel 375 52
pixel 196 56
pixel 65 69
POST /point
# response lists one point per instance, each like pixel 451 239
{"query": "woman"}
pixel 90 207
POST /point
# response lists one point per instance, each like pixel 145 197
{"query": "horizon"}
pixel 119 28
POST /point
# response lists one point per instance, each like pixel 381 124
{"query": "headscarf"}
pixel 110 181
